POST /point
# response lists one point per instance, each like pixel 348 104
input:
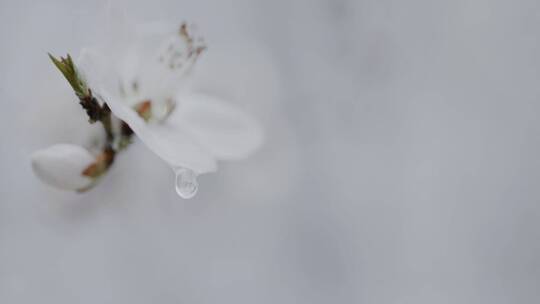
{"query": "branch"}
pixel 95 112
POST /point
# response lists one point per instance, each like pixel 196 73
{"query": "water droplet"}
pixel 186 183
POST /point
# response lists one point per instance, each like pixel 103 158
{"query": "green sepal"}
pixel 68 69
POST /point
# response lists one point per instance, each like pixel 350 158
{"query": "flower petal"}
pixel 225 131
pixel 139 67
pixel 96 68
pixel 170 142
pixel 243 72
pixel 168 59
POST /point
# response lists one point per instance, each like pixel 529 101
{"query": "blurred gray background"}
pixel 401 165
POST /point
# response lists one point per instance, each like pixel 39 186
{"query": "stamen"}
pixel 135 86
pixel 170 105
pixel 144 109
pixel 184 49
pixel 159 114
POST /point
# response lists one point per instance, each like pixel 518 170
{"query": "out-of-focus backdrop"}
pixel 401 164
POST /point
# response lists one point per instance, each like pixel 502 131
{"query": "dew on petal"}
pixel 186 183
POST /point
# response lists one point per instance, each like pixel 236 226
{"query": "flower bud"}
pixel 62 166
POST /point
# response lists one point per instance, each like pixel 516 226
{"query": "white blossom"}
pixel 187 129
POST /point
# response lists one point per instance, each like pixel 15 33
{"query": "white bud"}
pixel 62 166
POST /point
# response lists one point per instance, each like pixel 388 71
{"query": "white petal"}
pixel 225 131
pixel 168 141
pixel 97 69
pixel 166 63
pixel 61 166
pixel 137 67
pixel 245 73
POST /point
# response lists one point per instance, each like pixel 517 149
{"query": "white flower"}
pixel 62 166
pixel 189 130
